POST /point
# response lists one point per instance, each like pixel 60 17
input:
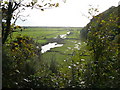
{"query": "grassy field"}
pixel 44 35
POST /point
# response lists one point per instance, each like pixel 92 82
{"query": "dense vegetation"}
pixel 95 65
pixel 102 35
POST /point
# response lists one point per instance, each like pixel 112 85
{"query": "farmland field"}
pixel 45 35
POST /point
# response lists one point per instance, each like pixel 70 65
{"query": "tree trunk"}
pixel 8 23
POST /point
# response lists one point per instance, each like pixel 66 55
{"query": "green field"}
pixel 44 35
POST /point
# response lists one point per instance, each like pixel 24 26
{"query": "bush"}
pixel 21 59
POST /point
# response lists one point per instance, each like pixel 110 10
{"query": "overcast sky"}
pixel 72 13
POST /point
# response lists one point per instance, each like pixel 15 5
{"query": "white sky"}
pixel 67 14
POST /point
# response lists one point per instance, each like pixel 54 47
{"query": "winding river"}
pixel 48 46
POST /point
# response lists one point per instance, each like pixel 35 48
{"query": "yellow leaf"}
pixel 57 5
pixel 103 21
pixel 15 43
pixel 16 48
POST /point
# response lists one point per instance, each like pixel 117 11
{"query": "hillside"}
pixel 102 36
pixel 101 21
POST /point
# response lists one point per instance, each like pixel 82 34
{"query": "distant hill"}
pixel 97 22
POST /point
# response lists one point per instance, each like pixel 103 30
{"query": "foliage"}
pixel 102 70
pixel 20 58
